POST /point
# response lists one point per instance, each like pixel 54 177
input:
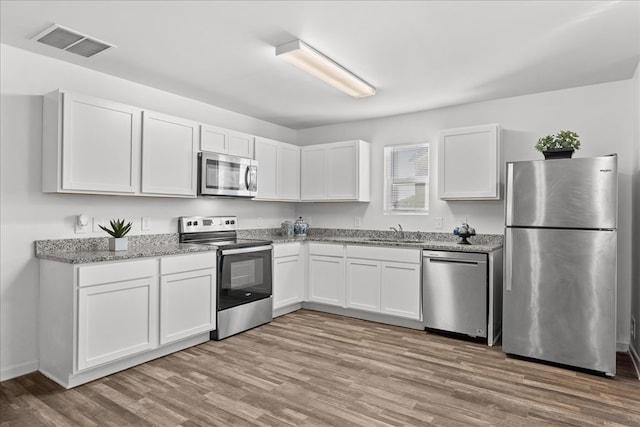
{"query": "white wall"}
pixel 27 214
pixel 635 293
pixel 601 114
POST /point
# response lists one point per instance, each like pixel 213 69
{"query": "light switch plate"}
pixel 439 221
pixel 145 223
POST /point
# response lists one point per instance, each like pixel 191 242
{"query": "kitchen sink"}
pixel 388 240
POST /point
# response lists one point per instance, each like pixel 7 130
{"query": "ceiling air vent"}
pixel 72 41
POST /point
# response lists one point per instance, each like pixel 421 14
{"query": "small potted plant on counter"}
pixel 117 241
pixel 560 146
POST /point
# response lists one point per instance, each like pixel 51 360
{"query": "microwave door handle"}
pixel 247 177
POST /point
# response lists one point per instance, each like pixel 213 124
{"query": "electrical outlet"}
pixel 357 222
pixel 633 328
pixel 82 224
pixel 439 221
pixel 145 223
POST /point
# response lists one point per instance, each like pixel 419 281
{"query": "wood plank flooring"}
pixel 315 369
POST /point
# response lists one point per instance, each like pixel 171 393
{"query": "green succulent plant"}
pixel 118 228
pixel 564 139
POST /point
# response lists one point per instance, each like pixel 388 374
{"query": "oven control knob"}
pixel 233 222
pixel 188 223
pixel 227 222
pixel 195 222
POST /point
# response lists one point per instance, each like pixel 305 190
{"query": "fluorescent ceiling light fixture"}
pixel 315 63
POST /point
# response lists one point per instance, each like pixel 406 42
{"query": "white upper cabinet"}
pixel 338 171
pixel 90 145
pixel 469 161
pixel 225 141
pixel 278 170
pixel 169 150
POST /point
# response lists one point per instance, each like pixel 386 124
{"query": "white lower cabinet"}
pixel 117 311
pixel 96 319
pixel 384 280
pixel 400 290
pixel 363 284
pixel 326 274
pixel 187 296
pixel 288 283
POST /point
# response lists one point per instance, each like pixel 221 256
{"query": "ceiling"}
pixel 420 55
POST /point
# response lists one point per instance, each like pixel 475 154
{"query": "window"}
pixel 406 179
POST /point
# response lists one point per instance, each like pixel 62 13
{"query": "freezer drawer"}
pixel 560 297
pixel 454 292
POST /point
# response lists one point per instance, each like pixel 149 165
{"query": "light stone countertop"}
pixel 92 250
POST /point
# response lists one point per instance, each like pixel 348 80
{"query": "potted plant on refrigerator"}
pixel 117 241
pixel 560 146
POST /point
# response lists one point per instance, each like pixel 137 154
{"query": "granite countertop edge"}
pixel 428 245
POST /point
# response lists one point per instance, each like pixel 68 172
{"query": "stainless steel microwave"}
pixel 222 175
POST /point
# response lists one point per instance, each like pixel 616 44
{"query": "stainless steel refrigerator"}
pixel 560 261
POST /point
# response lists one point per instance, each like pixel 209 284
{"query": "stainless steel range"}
pixel 244 281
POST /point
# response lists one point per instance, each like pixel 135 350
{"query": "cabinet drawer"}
pixel 326 249
pixel 116 272
pixel 181 263
pixel 286 249
pixel 384 253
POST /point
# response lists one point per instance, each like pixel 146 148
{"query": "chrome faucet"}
pixel 400 232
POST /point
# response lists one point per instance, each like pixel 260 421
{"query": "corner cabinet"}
pixel 338 171
pixel 89 145
pixel 469 162
pixel 169 150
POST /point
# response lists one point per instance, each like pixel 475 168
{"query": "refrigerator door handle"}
pixel 508 259
pixel 508 217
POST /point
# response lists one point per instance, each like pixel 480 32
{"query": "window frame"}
pixel 388 182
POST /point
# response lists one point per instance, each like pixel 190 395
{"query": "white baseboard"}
pixel 17 370
pixel 635 358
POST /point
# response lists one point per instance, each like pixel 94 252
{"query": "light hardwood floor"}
pixel 312 368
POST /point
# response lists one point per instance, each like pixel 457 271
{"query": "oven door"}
pixel 244 275
pixel 222 175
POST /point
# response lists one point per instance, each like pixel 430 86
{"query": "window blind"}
pixel 407 179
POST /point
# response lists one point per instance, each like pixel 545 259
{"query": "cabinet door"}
pixel 342 171
pixel 313 184
pixel 100 145
pixel 116 320
pixel 401 290
pixel 469 163
pixel 326 280
pixel 363 284
pixel 187 304
pixel 214 139
pixel 168 155
pixel 241 144
pixel 287 281
pixel 288 172
pixel 266 153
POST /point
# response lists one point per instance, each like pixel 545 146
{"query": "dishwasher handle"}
pixel 454 261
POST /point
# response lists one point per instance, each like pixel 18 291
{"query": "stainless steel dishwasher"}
pixel 454 292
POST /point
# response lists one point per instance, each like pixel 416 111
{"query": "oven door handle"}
pixel 246 250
